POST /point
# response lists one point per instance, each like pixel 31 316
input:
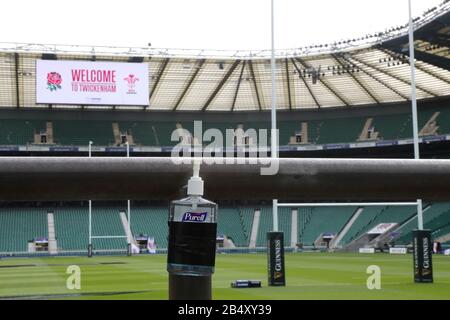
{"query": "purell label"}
pixel 194 217
pixel 186 213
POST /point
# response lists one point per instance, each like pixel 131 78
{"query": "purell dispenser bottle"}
pixel 192 243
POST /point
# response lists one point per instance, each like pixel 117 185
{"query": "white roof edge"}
pixel 220 54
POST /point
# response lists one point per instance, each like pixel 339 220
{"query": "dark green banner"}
pixel 422 253
pixel 275 254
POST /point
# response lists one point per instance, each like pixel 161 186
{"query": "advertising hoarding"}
pixel 92 83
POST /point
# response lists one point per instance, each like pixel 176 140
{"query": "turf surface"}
pixel 309 276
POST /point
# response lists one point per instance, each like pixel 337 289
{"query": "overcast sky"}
pixel 194 24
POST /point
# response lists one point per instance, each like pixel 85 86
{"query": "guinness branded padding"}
pixel 275 254
pixel 422 251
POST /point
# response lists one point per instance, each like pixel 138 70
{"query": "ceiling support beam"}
pixel 325 83
pixel 418 67
pixel 16 60
pixel 188 85
pixel 435 60
pixel 221 84
pixel 288 82
pixel 255 85
pixel 237 86
pixel 442 41
pixel 305 83
pixel 338 60
pixel 398 78
pixel 378 80
pixel 158 77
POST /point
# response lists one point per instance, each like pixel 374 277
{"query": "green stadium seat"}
pixel 151 221
pixel 312 222
pixel 19 132
pixel 20 225
pixel 266 225
pixel 79 133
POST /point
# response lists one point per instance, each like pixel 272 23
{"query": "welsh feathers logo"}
pixel 53 81
pixel 131 82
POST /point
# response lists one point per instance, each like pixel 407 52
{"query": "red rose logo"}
pixel 54 81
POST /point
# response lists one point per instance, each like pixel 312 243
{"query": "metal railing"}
pixel 147 178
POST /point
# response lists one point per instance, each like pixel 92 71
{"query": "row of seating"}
pixel 266 225
pixel 372 216
pixel 436 217
pixel 157 133
pixel 312 222
pixel 20 225
pixel 19 132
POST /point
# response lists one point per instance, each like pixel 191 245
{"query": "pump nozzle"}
pixel 195 183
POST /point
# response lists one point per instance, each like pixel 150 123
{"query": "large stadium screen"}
pixel 92 83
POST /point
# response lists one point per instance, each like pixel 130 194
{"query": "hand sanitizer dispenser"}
pixel 192 243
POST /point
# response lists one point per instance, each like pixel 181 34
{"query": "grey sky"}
pixel 194 24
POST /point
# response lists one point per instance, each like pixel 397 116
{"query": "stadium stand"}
pixel 106 222
pixel 79 133
pixel 393 215
pixel 230 224
pixel 393 127
pixel 339 130
pixel 246 217
pixel 370 217
pixel 312 222
pixel 72 234
pixel 151 221
pixel 156 134
pixel 266 225
pixel 435 218
pixel 71 227
pixel 19 132
pixel 442 120
pixel 288 129
pixel 284 224
pixel 20 225
pixel 366 217
pixel 163 132
pixel 143 132
pixel 442 231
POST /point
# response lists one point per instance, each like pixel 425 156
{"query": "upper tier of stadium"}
pixel 370 70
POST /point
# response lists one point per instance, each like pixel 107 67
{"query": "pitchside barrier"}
pixel 99 178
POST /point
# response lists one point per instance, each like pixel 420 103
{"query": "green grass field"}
pixel 309 276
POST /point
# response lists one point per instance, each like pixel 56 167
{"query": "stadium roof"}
pixel 373 69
